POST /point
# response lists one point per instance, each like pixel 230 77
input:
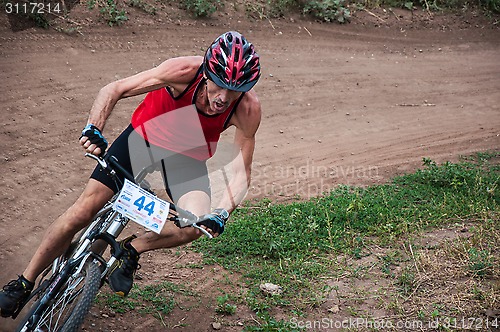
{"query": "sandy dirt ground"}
pixel 342 104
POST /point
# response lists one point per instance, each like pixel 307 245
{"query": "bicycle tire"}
pixel 68 310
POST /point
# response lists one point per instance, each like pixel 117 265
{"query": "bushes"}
pixel 328 10
pixel 113 12
pixel 201 8
pixel 436 5
pixel 109 11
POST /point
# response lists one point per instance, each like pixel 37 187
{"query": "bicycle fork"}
pixel 77 261
pixel 54 288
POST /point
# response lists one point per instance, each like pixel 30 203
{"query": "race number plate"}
pixel 142 207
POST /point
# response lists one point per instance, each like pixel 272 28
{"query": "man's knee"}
pixel 87 205
pixel 80 214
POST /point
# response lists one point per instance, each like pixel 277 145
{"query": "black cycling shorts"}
pixel 181 174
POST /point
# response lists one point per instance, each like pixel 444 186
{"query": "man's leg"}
pixel 55 241
pixel 59 235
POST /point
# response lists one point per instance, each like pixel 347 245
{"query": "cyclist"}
pixel 217 86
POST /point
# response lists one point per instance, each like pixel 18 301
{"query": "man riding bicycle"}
pixel 211 93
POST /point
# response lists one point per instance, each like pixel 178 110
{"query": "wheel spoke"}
pixel 67 311
pixel 56 316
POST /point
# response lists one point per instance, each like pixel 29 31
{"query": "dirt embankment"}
pixel 350 104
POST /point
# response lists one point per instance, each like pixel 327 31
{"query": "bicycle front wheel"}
pixel 69 308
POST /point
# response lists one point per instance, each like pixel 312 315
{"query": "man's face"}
pixel 220 98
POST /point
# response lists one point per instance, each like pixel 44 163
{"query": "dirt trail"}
pixel 342 105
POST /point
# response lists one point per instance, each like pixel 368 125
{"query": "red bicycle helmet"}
pixel 232 63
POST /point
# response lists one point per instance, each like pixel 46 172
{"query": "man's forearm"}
pixel 103 105
pixel 234 192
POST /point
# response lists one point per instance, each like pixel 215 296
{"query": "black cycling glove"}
pixel 215 221
pixel 95 137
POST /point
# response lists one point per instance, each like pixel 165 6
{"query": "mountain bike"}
pixel 67 288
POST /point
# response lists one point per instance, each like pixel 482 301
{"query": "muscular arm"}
pixel 175 72
pixel 246 120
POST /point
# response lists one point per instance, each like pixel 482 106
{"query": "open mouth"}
pixel 219 106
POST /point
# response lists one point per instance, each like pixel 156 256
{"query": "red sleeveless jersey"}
pixel 174 123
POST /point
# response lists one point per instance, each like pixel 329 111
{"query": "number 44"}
pixel 140 203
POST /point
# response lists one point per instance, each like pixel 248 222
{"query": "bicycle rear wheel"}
pixel 68 310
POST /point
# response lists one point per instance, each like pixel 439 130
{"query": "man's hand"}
pixel 93 141
pixel 215 221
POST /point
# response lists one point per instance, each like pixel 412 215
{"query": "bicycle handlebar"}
pixel 110 164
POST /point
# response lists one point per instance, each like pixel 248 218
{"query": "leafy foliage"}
pixel 328 10
pixel 109 11
pixel 201 8
pixel 437 5
pixel 493 5
pixel 224 307
pixel 480 262
pixel 145 7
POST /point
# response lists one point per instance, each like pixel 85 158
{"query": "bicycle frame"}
pixel 106 226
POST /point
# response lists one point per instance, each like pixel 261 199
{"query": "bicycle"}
pixel 67 288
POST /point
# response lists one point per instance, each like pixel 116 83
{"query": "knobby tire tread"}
pixel 86 299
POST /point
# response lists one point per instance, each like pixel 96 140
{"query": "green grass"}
pixel 292 244
pixel 299 245
pixel 158 299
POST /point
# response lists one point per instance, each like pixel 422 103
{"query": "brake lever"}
pixel 100 161
pixel 184 222
pixel 186 218
pixel 203 230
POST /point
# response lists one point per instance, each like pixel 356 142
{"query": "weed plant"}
pixel 328 10
pixel 201 8
pixel 437 5
pixel 142 5
pixel 338 11
pixel 109 11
